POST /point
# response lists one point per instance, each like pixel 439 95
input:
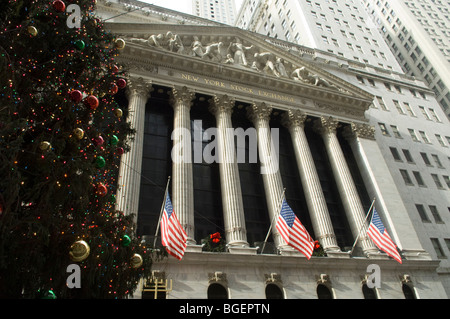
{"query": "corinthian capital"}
pixel 181 95
pixel 138 86
pixel 220 104
pixel 293 118
pixel 361 130
pixel 259 111
pixel 326 125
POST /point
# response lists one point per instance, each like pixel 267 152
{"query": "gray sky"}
pixel 181 5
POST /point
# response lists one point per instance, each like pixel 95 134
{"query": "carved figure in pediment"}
pixel 212 52
pixel 237 51
pixel 197 48
pixel 265 62
pixel 174 42
pixel 229 59
pixel 279 66
pixel 155 40
pixel 303 75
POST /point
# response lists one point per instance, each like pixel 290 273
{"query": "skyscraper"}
pixel 223 11
pixel 418 33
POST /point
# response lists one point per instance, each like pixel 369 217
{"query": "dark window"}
pixel 335 208
pixel 408 292
pixel 257 219
pixel 323 292
pixel 273 292
pixel 369 293
pixel 207 193
pixel 156 161
pixel 217 291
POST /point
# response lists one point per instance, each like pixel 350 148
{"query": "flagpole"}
pixel 364 224
pixel 160 213
pixel 276 215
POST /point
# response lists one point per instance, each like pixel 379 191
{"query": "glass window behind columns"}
pixel 208 210
pixel 335 208
pixel 290 175
pixel 257 219
pixel 156 161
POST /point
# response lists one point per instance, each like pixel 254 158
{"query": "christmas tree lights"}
pixel 62 134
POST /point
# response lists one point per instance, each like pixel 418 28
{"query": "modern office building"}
pixel 223 11
pixel 345 131
pixel 418 34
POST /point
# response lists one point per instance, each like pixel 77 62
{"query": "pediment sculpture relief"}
pixel 237 54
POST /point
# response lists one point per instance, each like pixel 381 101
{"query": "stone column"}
pixel 347 190
pixel 182 179
pixel 381 186
pixel 129 180
pixel 233 207
pixel 320 218
pixel 259 114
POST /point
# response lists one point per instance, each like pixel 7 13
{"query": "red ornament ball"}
pixel 98 141
pixel 59 6
pixel 92 102
pixel 122 83
pixel 76 96
pixel 120 151
pixel 102 190
pixel 115 68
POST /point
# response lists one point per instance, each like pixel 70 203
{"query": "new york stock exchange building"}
pixel 195 76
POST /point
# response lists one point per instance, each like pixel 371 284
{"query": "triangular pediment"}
pixel 231 53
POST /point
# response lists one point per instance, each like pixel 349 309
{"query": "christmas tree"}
pixel 62 133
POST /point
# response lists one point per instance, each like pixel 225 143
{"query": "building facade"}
pixel 223 11
pixel 418 34
pixel 404 108
pixel 200 82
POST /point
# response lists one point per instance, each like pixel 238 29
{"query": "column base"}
pixel 193 248
pixel 338 254
pixel 379 255
pixel 287 250
pixel 240 250
pixel 410 254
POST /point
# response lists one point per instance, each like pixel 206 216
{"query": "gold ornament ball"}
pixel 79 133
pixel 45 146
pixel 118 112
pixel 32 30
pixel 79 251
pixel 120 44
pixel 136 261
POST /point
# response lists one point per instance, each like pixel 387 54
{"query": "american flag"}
pixel 173 236
pixel 293 232
pixel 377 232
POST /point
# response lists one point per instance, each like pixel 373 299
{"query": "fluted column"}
pixel 129 180
pixel 233 207
pixel 320 217
pixel 259 114
pixel 347 190
pixel 182 179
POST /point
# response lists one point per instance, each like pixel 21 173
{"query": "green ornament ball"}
pixel 79 44
pixel 114 140
pixel 100 162
pixel 126 241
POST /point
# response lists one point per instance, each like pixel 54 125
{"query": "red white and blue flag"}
pixel 379 235
pixel 173 236
pixel 293 232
